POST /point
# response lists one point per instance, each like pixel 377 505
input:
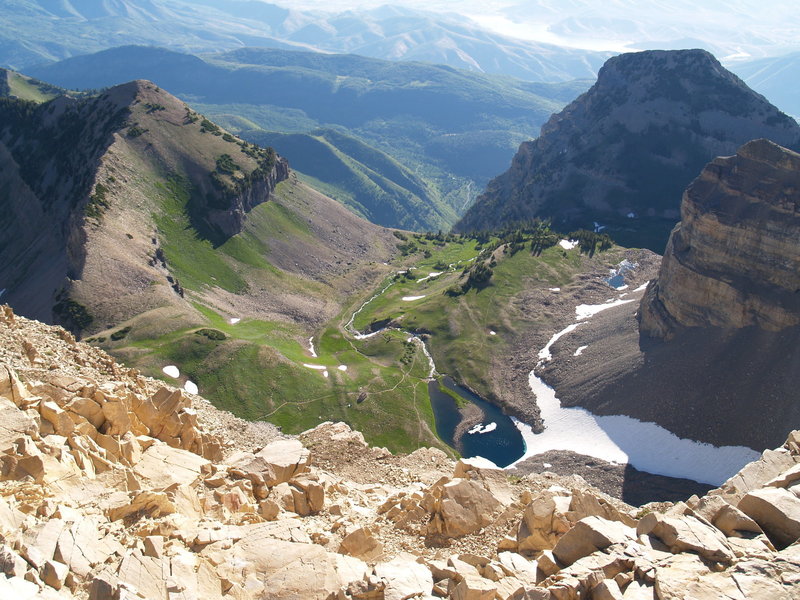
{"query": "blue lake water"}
pixel 502 445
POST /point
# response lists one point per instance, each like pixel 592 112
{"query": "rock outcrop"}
pixel 622 153
pixel 113 486
pixel 733 261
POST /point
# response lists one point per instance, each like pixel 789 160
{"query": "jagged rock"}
pixel 460 507
pixel 728 519
pixel 608 589
pixel 405 578
pixel 54 574
pixel 687 533
pixel 777 511
pixel 589 535
pixel 362 544
pixel 544 520
pixel 164 466
pixel 474 588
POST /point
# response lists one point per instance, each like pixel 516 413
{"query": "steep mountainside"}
pixel 621 154
pixel 114 485
pixel 713 354
pixel 776 77
pixel 452 128
pixel 68 162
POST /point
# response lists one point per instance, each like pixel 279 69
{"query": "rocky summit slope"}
pixel 114 486
pixel 711 352
pixel 622 153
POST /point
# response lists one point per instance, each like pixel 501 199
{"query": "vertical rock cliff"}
pixel 734 259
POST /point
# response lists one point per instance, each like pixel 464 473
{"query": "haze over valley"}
pixel 376 302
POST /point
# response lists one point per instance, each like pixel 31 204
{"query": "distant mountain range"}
pixel 618 158
pixel 38 31
pixel 419 141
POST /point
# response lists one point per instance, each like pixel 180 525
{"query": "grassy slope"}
pixel 257 370
pixel 461 341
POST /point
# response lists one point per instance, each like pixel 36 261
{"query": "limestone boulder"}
pixel 777 511
pixel 276 463
pixel 362 544
pixel 544 520
pixel 687 534
pixel 162 466
pixel 404 578
pixel 461 507
pixel 590 535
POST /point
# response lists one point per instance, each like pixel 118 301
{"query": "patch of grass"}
pixel 193 259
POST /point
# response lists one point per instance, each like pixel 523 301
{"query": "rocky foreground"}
pixel 115 486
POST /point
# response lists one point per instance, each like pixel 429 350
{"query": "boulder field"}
pixel 115 486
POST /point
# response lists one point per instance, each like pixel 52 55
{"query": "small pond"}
pixel 502 444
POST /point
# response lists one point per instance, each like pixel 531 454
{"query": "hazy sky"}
pixel 732 27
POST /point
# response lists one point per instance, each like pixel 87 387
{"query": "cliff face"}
pixel 622 153
pixel 733 261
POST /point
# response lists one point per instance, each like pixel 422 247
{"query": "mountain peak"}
pixel 621 154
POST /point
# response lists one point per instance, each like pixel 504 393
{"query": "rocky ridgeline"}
pixel 113 487
pixel 733 260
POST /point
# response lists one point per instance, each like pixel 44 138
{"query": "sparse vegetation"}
pixel 120 334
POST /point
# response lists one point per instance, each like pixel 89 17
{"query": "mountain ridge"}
pixel 621 154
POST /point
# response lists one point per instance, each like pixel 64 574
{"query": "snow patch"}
pixel 492 332
pixel 554 289
pixel 326 374
pixel 481 428
pixel 233 320
pixel 621 439
pixel 479 462
pixel 584 311
pixel 431 276
pixel 342 368
pixel 172 371
pixel 598 227
pixel 311 350
pixel 641 288
pixel 316 367
pixel 568 244
pixel 580 350
pixel 411 298
pixel 191 387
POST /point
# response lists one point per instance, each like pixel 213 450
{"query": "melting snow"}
pixel 233 320
pixel 172 371
pixel 641 288
pixel 492 333
pixel 411 298
pixel 326 374
pixel 191 387
pixel 554 289
pixel 584 311
pixel 568 244
pixel 580 350
pixel 620 439
pixel 481 428
pixel 311 350
pixel 317 367
pixel 342 367
pixel 431 276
